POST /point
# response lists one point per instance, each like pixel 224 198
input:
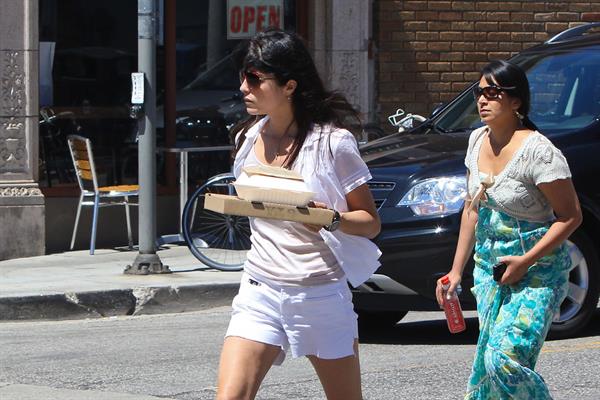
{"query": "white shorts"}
pixel 314 320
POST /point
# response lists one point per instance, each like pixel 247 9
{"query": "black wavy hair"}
pixel 508 74
pixel 285 56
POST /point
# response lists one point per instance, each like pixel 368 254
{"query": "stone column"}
pixel 340 35
pixel 22 225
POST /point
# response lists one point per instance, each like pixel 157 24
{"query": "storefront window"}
pixel 88 50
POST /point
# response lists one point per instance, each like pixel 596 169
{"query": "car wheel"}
pixel 584 285
pixel 380 318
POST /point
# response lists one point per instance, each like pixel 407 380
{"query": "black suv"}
pixel 419 183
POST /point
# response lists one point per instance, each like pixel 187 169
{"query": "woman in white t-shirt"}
pixel 521 208
pixel 294 292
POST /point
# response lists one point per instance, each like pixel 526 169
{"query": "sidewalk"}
pixel 74 285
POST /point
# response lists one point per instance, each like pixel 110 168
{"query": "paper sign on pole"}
pixel 246 17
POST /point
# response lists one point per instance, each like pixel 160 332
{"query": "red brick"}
pixel 486 26
pixel 521 16
pixel 428 35
pixel 590 17
pixel 527 45
pixel 486 46
pixel 472 76
pixel 556 26
pixel 414 5
pixel 510 46
pixel 402 56
pixel 487 5
pixel 419 46
pixel 474 16
pixel 521 36
pixel 462 26
pixel 533 26
pixel 498 55
pixel 510 27
pixel 451 76
pixel 475 56
pixel 462 46
pixel 439 86
pixel 463 5
pixel 498 36
pixel 415 26
pixel 447 97
pixel 579 7
pixel 451 56
pixel 431 76
pixel 390 67
pixel 459 86
pixel 475 36
pixel 595 7
pixel 535 7
pixel 567 16
pixel 452 36
pixel 406 15
pixel 439 26
pixel 555 6
pixel 511 6
pixel 438 46
pixel 427 15
pixel 415 86
pixel 439 5
pixel 440 66
pixel 450 16
pixel 427 56
pixel 545 17
pixel 463 66
pixel 541 36
pixel 497 16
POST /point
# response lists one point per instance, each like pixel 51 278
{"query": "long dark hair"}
pixel 508 74
pixel 285 56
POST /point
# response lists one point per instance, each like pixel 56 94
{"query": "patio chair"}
pixel 94 195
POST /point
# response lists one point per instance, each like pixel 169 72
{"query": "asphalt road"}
pixel 176 355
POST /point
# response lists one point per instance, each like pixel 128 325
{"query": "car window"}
pixel 565 92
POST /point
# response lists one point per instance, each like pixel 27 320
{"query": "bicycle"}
pixel 220 241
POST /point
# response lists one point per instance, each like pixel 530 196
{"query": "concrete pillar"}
pixel 340 33
pixel 22 226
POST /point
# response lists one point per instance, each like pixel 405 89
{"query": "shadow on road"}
pixel 436 332
pixel 419 332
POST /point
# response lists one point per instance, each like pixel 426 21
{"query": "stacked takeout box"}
pixel 270 192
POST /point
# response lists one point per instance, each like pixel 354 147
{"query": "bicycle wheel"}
pixel 220 241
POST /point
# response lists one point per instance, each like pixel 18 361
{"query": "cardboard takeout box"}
pixel 233 205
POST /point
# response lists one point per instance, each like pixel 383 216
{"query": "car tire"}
pixel 380 318
pixel 581 302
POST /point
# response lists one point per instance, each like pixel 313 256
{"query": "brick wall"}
pixel 428 51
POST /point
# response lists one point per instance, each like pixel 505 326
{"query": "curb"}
pixel 108 303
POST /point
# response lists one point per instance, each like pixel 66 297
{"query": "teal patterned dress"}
pixel 513 320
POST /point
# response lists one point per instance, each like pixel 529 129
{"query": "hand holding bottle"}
pixel 452 308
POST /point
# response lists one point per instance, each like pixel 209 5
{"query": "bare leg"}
pixel 341 377
pixel 244 364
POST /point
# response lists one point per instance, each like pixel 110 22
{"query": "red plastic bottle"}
pixel 454 314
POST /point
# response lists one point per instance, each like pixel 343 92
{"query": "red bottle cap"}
pixel 445 280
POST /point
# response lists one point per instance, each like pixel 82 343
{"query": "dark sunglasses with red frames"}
pixel 253 79
pixel 491 92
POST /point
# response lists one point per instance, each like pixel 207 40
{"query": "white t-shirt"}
pixel 288 252
pixel 330 163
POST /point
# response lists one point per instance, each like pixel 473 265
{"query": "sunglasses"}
pixel 253 79
pixel 490 92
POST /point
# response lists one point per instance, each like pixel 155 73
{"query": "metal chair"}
pixel 94 195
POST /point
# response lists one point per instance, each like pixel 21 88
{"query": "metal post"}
pixel 147 261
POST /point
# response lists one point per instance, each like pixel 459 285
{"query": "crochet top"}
pixel 514 190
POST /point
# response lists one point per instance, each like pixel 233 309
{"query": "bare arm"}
pixel 563 199
pixel 361 218
pixel 464 247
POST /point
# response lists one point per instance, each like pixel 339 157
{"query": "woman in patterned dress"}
pixel 520 210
